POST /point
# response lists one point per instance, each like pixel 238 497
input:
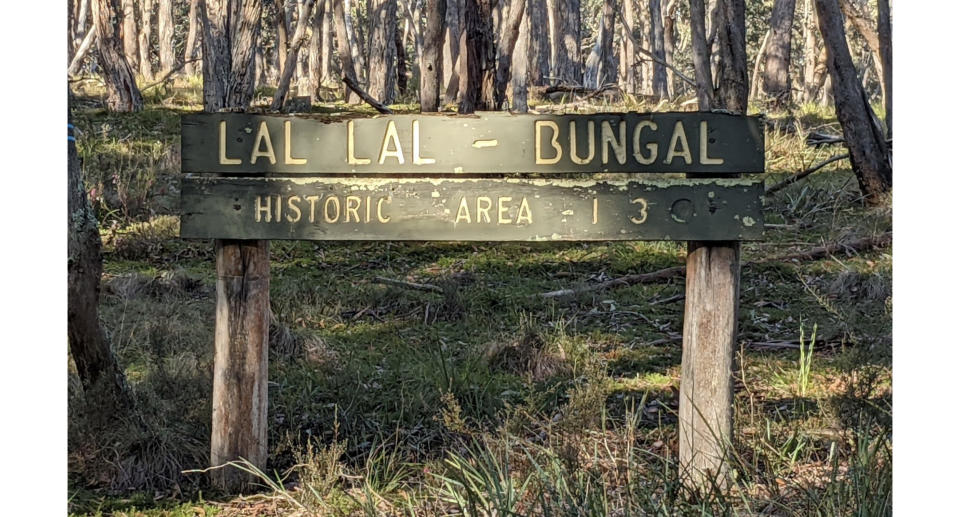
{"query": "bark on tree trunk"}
pixel 81 52
pixel 326 49
pixel 314 70
pixel 886 61
pixel 100 375
pixel 190 52
pixel 451 50
pixel 122 92
pixel 712 296
pixel 231 30
pixel 628 54
pixel 608 60
pixel 347 66
pixel 521 64
pixel 701 55
pixel 146 14
pixel 477 57
pixel 755 78
pixel 566 26
pixel 168 60
pixel 669 44
pixel 128 32
pixel 508 41
pixel 431 69
pixel 538 43
pixel 656 39
pixel 382 60
pixel 861 130
pixel 299 37
pixel 401 63
pixel 776 72
pixel 280 25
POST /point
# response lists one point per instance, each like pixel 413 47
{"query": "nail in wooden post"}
pixel 239 428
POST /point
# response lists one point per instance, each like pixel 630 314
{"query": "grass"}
pixel 484 399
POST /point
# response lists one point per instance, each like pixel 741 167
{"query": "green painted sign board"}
pixel 485 143
pixel 477 209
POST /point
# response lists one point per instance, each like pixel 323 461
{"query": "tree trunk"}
pixel 776 72
pixel 669 44
pixel 701 55
pixel 81 52
pixel 608 59
pixel 508 41
pixel 128 32
pixel 477 57
pixel 538 43
pixel 190 52
pixel 299 37
pixel 80 24
pixel 283 43
pixel 861 130
pixel 451 50
pixel 591 68
pixel 628 53
pixel 122 92
pixel 431 68
pixel 520 75
pixel 382 60
pixel 656 40
pixel 315 51
pixel 231 30
pixel 886 61
pixel 347 65
pixel 401 63
pixel 146 29
pixel 755 78
pixel 326 49
pixel 168 60
pixel 100 375
pixel 712 296
pixel 566 26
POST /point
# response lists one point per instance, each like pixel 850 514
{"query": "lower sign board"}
pixel 470 209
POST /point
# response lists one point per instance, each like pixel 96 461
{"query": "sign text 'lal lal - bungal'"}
pixel 489 143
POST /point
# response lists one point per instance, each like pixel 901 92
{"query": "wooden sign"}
pixel 494 142
pixel 470 209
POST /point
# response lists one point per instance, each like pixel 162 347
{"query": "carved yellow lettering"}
pixel 652 146
pixel 313 206
pixel 553 142
pixel 524 214
pixel 223 147
pixel 607 142
pixel 263 135
pixel 503 210
pixel 351 159
pixel 463 211
pixel 679 135
pixel 292 206
pixel 287 152
pixel 278 206
pixel 263 209
pixel 594 211
pixel 332 201
pixel 390 136
pixel 704 159
pixel 380 216
pixel 366 218
pixel 591 147
pixel 484 212
pixel 352 207
pixel 417 159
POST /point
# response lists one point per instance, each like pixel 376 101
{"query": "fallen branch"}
pixel 877 241
pixel 408 285
pixel 352 84
pixel 803 174
pixel 819 252
pixel 643 278
pixel 81 52
pixel 640 49
pixel 166 77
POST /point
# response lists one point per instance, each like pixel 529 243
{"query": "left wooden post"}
pixel 239 427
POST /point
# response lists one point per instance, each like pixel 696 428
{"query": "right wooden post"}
pixel 705 425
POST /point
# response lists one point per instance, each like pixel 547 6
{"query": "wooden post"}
pixel 239 428
pixel 709 338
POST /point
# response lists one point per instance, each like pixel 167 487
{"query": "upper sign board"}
pixel 495 142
